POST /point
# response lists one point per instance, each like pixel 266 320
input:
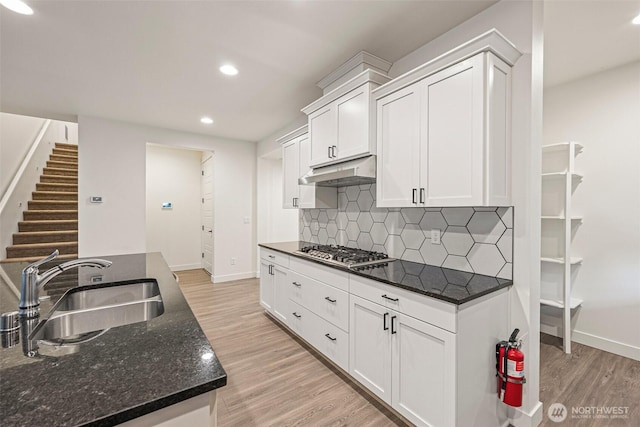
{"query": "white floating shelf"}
pixel 575 303
pixel 562 218
pixel 556 175
pixel 562 146
pixel 572 261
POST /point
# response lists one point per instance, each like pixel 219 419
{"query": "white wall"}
pixel 521 23
pixel 602 112
pixel 173 175
pixel 112 164
pixel 16 136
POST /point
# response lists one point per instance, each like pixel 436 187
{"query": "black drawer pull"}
pixel 330 300
pixel 272 256
pixel 296 315
pixel 296 284
pixel 389 298
pixel 330 337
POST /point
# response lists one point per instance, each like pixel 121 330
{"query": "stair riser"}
pixel 63 158
pixel 61 165
pixel 58 179
pixel 48 186
pixel 22 239
pixel 64 152
pixel 55 226
pixel 47 195
pixel 65 146
pixel 38 205
pixel 20 252
pixel 44 216
pixel 62 172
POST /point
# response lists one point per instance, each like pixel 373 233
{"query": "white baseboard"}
pixel 185 267
pixel 594 341
pixel 520 418
pixel 231 277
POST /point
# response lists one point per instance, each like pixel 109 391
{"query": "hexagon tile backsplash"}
pixel 478 240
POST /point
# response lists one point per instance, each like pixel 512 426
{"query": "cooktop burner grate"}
pixel 346 257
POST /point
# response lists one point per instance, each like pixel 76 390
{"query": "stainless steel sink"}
pixel 86 312
pixel 83 298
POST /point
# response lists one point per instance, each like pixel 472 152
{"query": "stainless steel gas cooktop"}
pixel 346 257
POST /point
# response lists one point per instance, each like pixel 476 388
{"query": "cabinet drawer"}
pixel 299 289
pixel 297 319
pixel 330 303
pixel 437 313
pixel 330 340
pixel 331 276
pixel 275 257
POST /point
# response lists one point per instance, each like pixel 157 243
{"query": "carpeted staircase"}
pixel 51 220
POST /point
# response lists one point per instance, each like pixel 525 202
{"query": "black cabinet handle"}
pixel 330 300
pixel 296 284
pixel 393 329
pixel 414 194
pixel 272 256
pixel 296 315
pixel 329 151
pixel 389 298
pixel 384 322
pixel 422 195
pixel 333 151
pixel 330 337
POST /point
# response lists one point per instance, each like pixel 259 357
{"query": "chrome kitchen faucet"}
pixel 33 282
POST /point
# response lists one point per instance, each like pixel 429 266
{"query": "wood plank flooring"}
pixel 276 379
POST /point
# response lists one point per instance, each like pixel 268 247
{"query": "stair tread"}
pixel 42 233
pixel 66 145
pixel 55 192
pixel 43 245
pixel 36 258
pixel 47 221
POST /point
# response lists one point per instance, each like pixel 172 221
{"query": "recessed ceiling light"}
pixel 229 70
pixel 206 120
pixel 636 20
pixel 17 6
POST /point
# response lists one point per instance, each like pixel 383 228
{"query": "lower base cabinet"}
pixel 408 363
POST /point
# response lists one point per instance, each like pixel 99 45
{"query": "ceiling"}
pixel 586 37
pixel 156 62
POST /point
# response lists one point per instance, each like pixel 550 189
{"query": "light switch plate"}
pixel 95 199
pixel 435 236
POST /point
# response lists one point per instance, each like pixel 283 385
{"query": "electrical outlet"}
pixel 435 236
pixel 233 261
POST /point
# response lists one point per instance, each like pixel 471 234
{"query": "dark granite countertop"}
pixel 454 286
pixel 125 373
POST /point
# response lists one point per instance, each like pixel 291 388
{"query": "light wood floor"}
pixel 273 377
pixel 276 379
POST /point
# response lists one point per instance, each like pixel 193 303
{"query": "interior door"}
pixel 206 186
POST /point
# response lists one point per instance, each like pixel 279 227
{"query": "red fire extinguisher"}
pixel 510 370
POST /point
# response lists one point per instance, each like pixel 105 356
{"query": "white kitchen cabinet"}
pixel 341 123
pixel 443 130
pixel 273 273
pixel 408 363
pixel 267 282
pixel 280 292
pixel 296 156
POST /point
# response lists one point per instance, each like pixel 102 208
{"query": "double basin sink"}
pixel 85 312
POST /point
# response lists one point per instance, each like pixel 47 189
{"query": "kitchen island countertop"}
pixel 127 372
pixel 453 286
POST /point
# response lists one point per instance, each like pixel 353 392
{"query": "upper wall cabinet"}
pixel 296 154
pixel 443 129
pixel 342 123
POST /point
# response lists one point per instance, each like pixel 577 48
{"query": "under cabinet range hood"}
pixel 351 172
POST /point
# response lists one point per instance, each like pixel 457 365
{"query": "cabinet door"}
pixel 266 285
pixel 307 192
pixel 322 134
pixel 398 133
pixel 423 363
pixel 290 174
pixel 352 111
pixel 280 292
pixel 452 135
pixel 370 346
